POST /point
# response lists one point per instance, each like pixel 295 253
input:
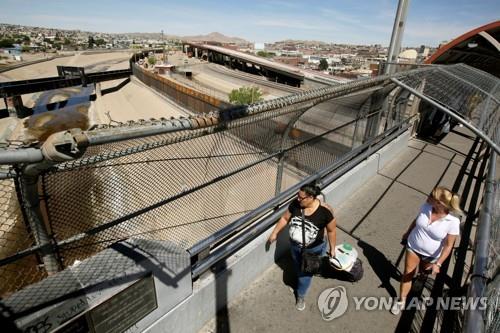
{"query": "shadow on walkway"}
pixel 382 267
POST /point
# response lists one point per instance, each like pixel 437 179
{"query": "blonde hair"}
pixel 449 199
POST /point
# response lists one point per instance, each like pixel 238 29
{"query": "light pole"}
pixel 397 36
pixel 165 58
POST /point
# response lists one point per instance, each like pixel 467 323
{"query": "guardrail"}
pixel 485 279
pixel 28 63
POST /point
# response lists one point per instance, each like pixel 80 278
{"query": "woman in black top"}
pixel 317 217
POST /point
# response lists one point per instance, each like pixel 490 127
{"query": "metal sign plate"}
pixel 118 313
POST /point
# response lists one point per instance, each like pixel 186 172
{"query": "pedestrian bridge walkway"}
pixel 373 219
pixel 152 226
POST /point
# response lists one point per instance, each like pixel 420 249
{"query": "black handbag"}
pixel 311 263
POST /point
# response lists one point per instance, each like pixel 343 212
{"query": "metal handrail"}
pixel 474 321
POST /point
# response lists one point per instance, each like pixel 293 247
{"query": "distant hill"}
pixel 215 37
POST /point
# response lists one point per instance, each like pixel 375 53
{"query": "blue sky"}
pixel 349 21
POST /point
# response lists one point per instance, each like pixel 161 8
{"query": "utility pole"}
pixel 397 36
pixel 163 45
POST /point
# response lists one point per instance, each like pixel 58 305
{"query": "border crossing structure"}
pixel 170 199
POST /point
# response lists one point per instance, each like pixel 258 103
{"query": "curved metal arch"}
pixel 461 39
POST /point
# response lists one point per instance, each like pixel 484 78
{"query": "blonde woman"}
pixel 430 239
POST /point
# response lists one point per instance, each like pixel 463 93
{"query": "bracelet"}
pixel 438 265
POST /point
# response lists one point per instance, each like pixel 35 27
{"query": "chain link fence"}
pixel 470 93
pixel 184 185
pixel 15 235
pixel 492 315
pixel 189 188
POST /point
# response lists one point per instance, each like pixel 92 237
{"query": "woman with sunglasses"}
pixel 317 217
pixel 429 239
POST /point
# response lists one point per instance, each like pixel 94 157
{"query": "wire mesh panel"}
pixel 481 80
pixel 460 88
pixel 493 288
pixel 492 315
pixel 184 185
pixel 15 236
pixel 201 183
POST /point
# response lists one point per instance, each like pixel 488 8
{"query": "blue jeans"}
pixel 304 279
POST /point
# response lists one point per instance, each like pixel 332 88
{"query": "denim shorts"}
pixel 422 257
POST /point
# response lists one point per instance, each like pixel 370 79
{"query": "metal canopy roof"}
pixel 469 95
pixel 479 48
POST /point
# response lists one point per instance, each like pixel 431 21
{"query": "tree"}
pixel 6 42
pixel 100 42
pixel 91 42
pixel 265 54
pixel 245 95
pixel 323 64
pixel 152 60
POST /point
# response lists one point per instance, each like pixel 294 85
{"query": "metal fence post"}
pixel 31 205
pixel 281 159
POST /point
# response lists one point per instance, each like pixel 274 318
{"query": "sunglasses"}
pixel 302 198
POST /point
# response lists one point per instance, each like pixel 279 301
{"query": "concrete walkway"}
pixel 373 219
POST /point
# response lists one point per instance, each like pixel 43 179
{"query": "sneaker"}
pixel 301 304
pixel 397 306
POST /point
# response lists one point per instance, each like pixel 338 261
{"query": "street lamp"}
pixel 163 45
